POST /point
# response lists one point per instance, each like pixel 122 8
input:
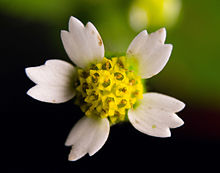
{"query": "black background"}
pixel 33 133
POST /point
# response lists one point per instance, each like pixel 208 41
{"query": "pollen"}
pixel 108 89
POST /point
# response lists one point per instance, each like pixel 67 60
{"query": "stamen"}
pixel 93 67
pixel 123 89
pixel 109 99
pixel 84 74
pixel 120 63
pixel 132 82
pixel 122 104
pixel 119 76
pixel 106 83
pixel 106 66
pixel 85 86
pixel 95 78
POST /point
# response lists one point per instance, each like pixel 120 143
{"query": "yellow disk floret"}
pixel 108 89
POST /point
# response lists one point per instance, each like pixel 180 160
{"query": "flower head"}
pixel 108 90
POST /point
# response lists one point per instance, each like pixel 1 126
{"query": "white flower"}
pixel 109 89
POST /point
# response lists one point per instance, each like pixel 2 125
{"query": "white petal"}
pixel 151 52
pixel 55 81
pixel 156 114
pixel 164 102
pixel 53 72
pixel 51 94
pixel 87 136
pixel 82 44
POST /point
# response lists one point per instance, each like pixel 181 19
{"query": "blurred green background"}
pixel 192 73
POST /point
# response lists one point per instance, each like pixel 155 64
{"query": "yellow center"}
pixel 108 89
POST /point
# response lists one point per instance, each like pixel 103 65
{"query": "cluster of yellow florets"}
pixel 108 89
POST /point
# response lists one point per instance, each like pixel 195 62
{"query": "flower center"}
pixel 108 89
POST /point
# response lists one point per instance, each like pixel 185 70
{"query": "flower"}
pixel 108 90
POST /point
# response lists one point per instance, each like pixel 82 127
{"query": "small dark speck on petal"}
pixel 99 40
pixel 130 52
pixel 136 121
pixel 162 109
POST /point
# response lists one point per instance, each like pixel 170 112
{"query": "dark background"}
pixel 33 133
